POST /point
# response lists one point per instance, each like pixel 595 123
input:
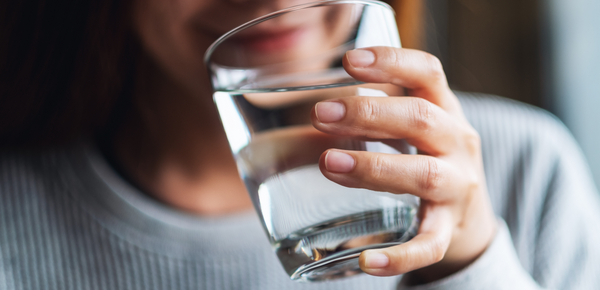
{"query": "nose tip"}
pixel 275 4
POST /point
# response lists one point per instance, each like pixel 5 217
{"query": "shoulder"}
pixel 21 170
pixel 540 184
pixel 528 154
pixel 496 117
pixel 515 131
pixel 32 180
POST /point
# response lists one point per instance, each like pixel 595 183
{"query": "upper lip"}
pixel 259 35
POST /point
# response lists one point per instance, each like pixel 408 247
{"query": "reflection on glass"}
pixel 267 76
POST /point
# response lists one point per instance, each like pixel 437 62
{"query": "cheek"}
pixel 331 26
pixel 164 30
pixel 339 23
pixel 176 33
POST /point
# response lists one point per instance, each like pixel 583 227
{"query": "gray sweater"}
pixel 68 221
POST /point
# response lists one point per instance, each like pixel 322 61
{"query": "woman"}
pixel 160 204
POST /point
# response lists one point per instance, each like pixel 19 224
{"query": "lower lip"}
pixel 273 42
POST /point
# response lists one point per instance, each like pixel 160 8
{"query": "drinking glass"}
pixel 267 74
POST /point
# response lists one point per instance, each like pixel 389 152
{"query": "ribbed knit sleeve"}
pixel 497 269
pixel 548 198
pixel 68 221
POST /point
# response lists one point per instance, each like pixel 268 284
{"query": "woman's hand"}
pixel 457 221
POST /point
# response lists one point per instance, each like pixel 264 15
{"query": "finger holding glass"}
pixel 457 219
pixel 267 75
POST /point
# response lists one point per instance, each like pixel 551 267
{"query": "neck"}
pixel 173 148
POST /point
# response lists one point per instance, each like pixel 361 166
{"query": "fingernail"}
pixel 328 112
pixel 360 57
pixel 375 260
pixel 339 162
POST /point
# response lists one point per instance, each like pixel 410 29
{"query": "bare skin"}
pixel 457 219
pixel 163 148
pixel 174 148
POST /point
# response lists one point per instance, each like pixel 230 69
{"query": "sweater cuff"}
pixel 498 268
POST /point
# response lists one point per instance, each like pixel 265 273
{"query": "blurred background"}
pixel 542 52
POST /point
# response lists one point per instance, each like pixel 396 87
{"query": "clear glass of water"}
pixel 267 75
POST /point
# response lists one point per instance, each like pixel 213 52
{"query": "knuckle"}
pixel 431 176
pixel 472 141
pixel 396 58
pixel 378 166
pixel 435 67
pixel 423 115
pixel 472 182
pixel 438 250
pixel 367 109
pixel 404 259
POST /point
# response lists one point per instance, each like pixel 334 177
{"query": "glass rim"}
pixel 278 13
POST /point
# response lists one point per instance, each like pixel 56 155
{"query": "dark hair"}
pixel 67 69
pixel 64 66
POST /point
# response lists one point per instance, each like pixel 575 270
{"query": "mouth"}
pixel 270 41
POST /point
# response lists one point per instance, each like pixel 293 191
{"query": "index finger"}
pixel 419 72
